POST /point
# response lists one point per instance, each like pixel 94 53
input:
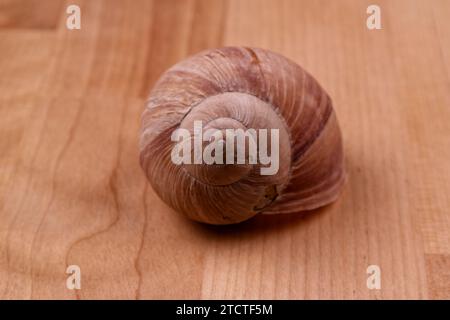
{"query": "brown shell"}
pixel 243 88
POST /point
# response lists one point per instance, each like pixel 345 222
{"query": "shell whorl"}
pixel 241 88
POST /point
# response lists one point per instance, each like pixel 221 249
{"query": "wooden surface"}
pixel 72 191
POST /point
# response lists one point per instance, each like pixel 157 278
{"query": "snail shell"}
pixel 239 88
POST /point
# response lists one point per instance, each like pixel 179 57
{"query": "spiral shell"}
pixel 239 87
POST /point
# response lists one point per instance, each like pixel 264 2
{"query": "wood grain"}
pixel 72 191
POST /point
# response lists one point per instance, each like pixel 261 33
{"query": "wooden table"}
pixel 72 191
